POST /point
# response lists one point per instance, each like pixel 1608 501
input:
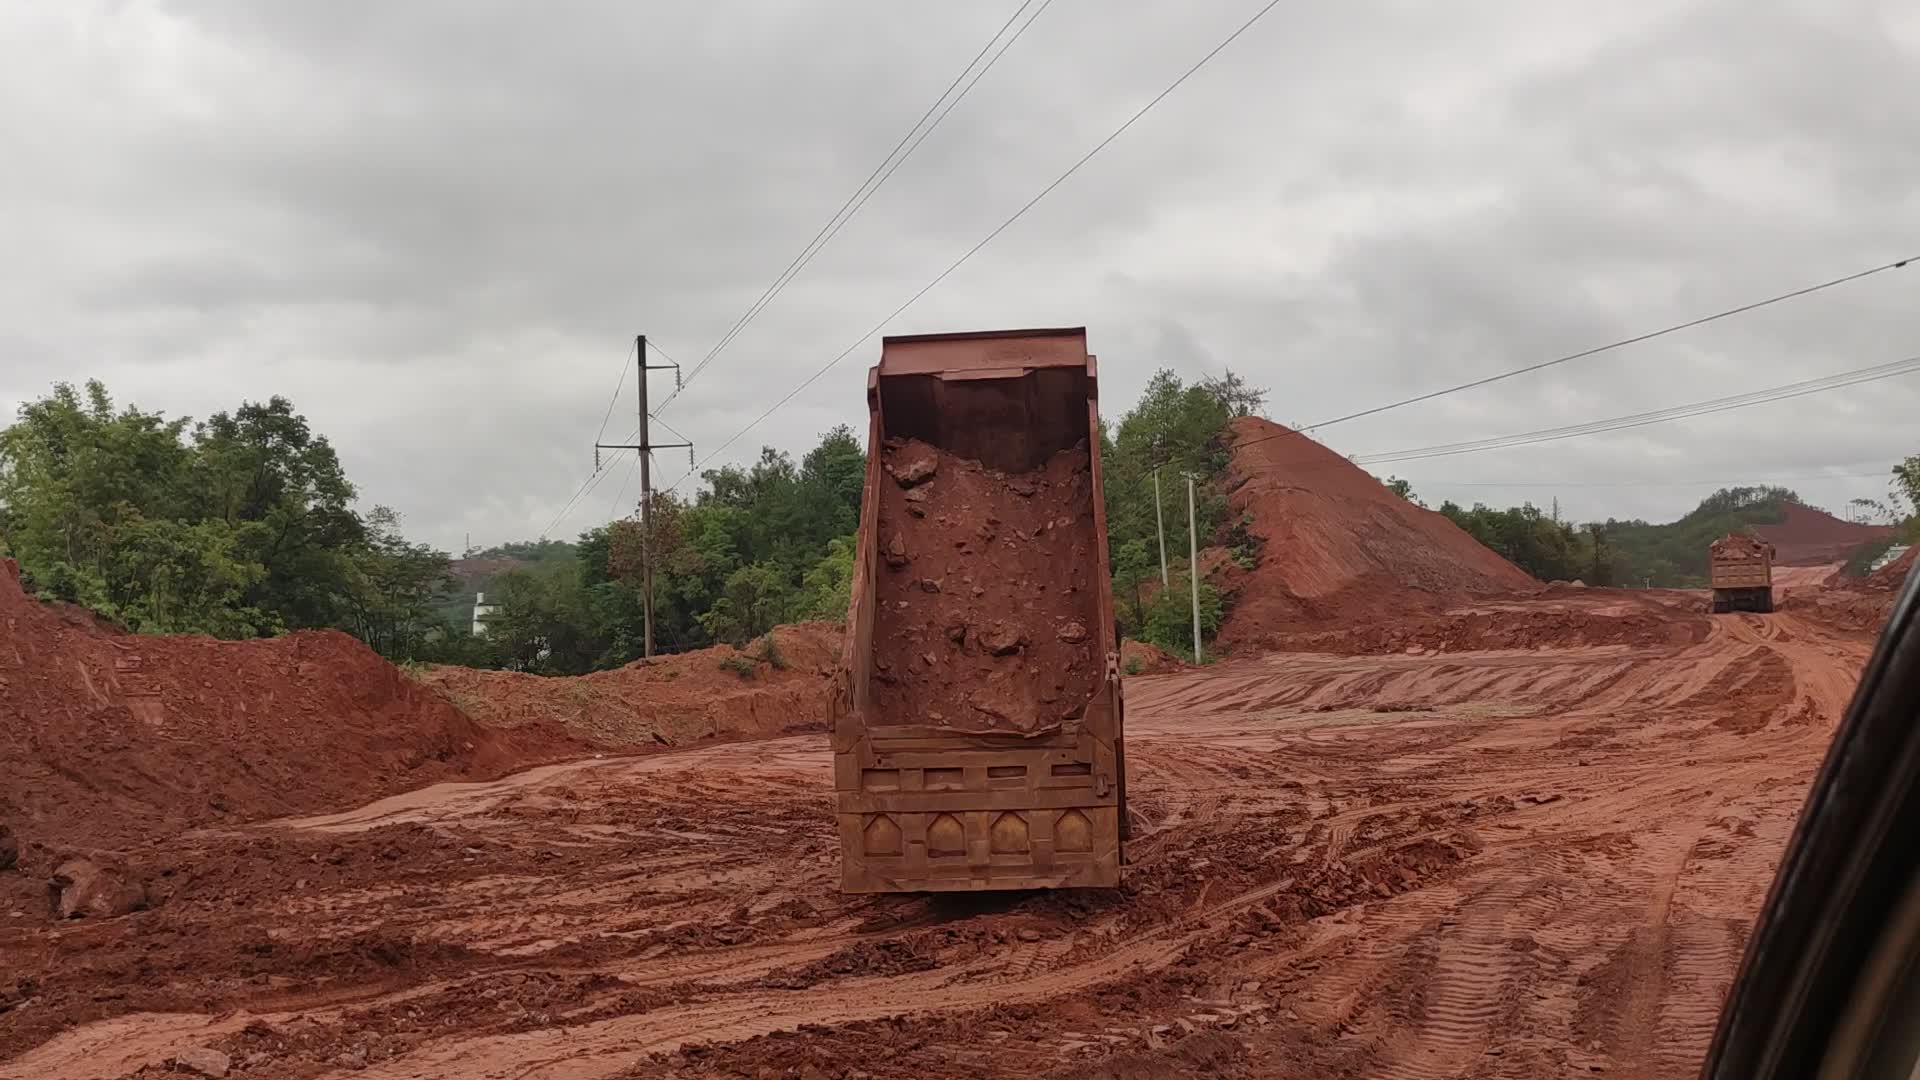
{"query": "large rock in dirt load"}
pixel 201 1061
pixel 81 888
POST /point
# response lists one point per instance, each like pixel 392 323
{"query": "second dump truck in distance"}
pixel 1740 570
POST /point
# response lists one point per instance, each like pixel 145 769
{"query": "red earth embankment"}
pixel 1805 536
pixel 109 739
pixel 1339 549
pixel 668 700
pixel 1558 618
pixel 1855 603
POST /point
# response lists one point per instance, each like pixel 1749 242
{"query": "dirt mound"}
pixel 112 738
pixel 986 609
pixel 1338 548
pixel 1860 604
pixel 1806 536
pixel 668 700
pixel 1140 658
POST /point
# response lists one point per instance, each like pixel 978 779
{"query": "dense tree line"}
pixel 1669 555
pixel 240 525
pixel 756 547
pixel 244 525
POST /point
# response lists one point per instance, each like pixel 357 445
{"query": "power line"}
pixel 621 495
pixel 1660 483
pixel 593 479
pixel 874 181
pixel 615 399
pixel 1658 416
pixel 989 238
pixel 1610 346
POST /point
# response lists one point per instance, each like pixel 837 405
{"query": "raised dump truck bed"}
pixel 1740 570
pixel 977 731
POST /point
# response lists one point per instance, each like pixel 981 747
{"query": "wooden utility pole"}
pixel 645 449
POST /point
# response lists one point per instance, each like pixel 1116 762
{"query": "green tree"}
pixel 755 599
pixel 1168 621
pixel 547 622
pixel 827 588
pixel 263 471
pixel 72 470
pixel 392 587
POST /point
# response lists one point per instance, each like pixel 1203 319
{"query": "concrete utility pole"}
pixel 1193 567
pixel 1160 529
pixel 645 449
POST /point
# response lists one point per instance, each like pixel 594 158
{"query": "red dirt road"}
pixel 1475 864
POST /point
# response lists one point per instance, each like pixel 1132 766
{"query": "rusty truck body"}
pixel 1740 572
pixel 968 799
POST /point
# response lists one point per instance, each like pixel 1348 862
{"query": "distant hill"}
pixel 1808 537
pixel 1674 555
pixel 476 572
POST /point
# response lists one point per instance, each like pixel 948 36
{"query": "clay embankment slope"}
pixel 1859 603
pixel 1807 537
pixel 112 738
pixel 1339 548
pixel 668 700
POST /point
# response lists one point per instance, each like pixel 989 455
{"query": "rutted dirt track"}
pixel 1482 864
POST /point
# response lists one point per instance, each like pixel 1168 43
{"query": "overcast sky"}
pixel 436 226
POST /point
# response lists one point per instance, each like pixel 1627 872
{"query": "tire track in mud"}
pixel 1524 864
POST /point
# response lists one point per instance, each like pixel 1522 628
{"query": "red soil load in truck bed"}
pixel 985 597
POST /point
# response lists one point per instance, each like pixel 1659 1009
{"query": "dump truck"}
pixel 1740 571
pixel 977 715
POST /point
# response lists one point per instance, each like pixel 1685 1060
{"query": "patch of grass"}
pixel 1133 665
pixel 770 653
pixel 743 666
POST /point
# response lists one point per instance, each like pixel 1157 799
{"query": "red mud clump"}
pixel 1140 658
pixel 986 608
pixel 668 700
pixel 1338 548
pixel 111 738
pixel 1805 536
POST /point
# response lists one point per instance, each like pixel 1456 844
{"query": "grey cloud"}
pixel 437 225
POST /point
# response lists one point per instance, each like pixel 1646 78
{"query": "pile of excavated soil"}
pixel 1140 658
pixel 668 700
pixel 1338 548
pixel 109 738
pixel 987 604
pixel 1861 604
pixel 1805 536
